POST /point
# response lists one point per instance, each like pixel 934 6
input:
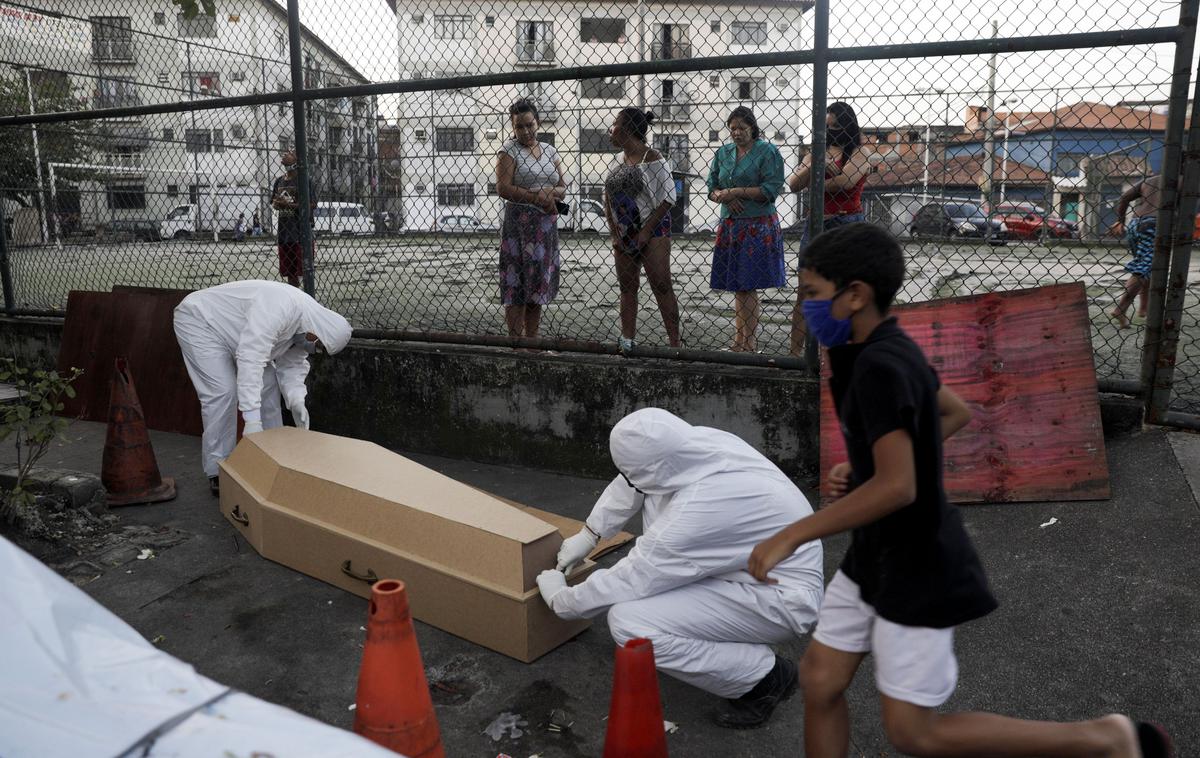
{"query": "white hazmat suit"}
pixel 240 345
pixel 706 499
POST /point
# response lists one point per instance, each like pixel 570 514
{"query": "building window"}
pixel 535 41
pixel 421 135
pixel 1067 164
pixel 592 192
pixel 281 42
pixel 335 136
pixel 605 30
pixel 172 190
pixel 126 197
pixel 418 19
pixel 674 147
pixel 714 135
pixel 112 38
pixel 238 131
pixel 163 77
pixel 168 135
pixel 451 27
pixel 714 80
pixel 749 89
pixel 202 84
pixel 205 140
pixel 671 42
pixel 547 137
pixel 116 93
pixel 749 33
pixel 454 139
pixel 49 84
pixel 489 21
pixel 456 194
pixel 780 135
pixel 160 18
pixel 608 88
pixel 201 25
pixel 238 76
pixel 595 141
pixel 491 188
pixel 714 27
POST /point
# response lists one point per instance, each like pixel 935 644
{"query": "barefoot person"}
pixel 1139 234
pixel 911 574
pixel 638 195
pixel 529 175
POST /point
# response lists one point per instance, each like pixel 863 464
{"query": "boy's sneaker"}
pixel 214 486
pixel 756 706
pixel 624 344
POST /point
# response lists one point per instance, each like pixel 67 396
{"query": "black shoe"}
pixel 756 706
pixel 214 486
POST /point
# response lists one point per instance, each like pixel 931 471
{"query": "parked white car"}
pixel 591 217
pixel 342 218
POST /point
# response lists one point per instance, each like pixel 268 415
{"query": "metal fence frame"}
pixel 1180 172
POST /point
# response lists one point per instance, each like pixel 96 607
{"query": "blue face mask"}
pixel 829 331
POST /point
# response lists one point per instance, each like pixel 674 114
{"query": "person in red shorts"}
pixel 285 199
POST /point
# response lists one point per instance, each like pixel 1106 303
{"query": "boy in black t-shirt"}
pixel 911 574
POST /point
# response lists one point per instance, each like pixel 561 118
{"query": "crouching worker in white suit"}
pixel 706 499
pixel 244 343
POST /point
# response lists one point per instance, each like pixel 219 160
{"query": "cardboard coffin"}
pixel 349 512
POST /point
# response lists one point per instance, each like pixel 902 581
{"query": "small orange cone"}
pixel 635 720
pixel 393 704
pixel 129 470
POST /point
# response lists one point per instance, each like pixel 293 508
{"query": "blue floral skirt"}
pixel 748 255
pixel 529 260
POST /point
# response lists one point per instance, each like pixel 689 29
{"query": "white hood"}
pixel 331 328
pixel 662 453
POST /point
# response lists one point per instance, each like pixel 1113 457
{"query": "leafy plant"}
pixel 30 422
pixel 193 8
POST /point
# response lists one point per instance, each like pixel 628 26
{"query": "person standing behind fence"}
pixel 846 169
pixel 638 193
pixel 745 178
pixel 256 226
pixel 285 199
pixel 1139 233
pixel 529 176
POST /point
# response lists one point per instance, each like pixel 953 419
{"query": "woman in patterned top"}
pixel 638 194
pixel 529 176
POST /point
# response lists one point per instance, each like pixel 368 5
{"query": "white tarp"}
pixel 75 680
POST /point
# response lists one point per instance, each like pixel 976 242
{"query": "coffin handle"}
pixel 370 577
pixel 239 517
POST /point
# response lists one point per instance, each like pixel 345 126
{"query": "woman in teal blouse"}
pixel 745 178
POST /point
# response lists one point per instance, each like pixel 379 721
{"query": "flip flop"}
pixel 1154 741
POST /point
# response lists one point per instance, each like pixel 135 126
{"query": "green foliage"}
pixel 67 142
pixel 30 423
pixel 193 8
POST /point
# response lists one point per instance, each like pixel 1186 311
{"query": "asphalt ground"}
pixel 1098 613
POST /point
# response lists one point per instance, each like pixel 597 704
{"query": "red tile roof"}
pixel 964 170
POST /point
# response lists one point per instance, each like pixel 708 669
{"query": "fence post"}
pixel 816 181
pixel 1159 400
pixel 6 268
pixel 303 211
pixel 1158 396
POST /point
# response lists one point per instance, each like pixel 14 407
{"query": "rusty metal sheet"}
pixel 1023 363
pixel 137 324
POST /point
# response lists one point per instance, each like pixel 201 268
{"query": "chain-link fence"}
pixel 1001 142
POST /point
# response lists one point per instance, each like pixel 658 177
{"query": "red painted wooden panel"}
pixel 136 324
pixel 1023 363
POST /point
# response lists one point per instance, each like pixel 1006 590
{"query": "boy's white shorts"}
pixel 915 664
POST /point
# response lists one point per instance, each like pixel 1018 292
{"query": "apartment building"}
pixel 143 52
pixel 449 138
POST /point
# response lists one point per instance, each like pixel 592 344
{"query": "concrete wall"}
pixel 550 412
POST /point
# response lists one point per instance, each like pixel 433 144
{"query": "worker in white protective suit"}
pixel 706 499
pixel 244 343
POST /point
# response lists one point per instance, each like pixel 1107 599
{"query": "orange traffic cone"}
pixel 635 720
pixel 393 704
pixel 129 470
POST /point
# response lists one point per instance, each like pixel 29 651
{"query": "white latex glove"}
pixel 550 583
pixel 575 549
pixel 295 404
pixel 252 427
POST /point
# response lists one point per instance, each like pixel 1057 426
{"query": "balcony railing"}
pixel 535 52
pixel 112 50
pixel 122 160
pixel 672 109
pixel 671 52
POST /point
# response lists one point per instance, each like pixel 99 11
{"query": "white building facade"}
pixel 224 160
pixel 450 138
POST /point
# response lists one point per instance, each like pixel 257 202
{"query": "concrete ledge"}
pixel 551 412
pixel 74 489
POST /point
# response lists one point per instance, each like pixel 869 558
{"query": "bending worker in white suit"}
pixel 243 343
pixel 706 498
